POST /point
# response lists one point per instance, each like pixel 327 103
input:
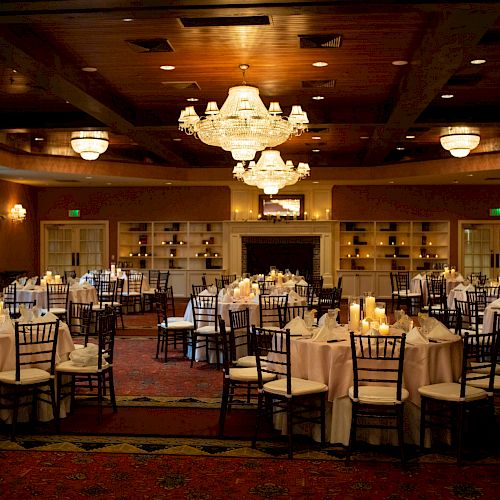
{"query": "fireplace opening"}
pixel 300 252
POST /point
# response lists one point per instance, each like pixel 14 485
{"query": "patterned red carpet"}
pixel 71 475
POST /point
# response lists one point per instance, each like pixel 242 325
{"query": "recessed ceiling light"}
pixel 89 177
pixel 320 64
pixel 447 96
pixel 316 137
pixel 391 182
pixel 108 183
pixel 364 137
pixel 192 99
pixel 315 182
pixel 177 139
pixel 410 137
pixel 318 97
pixel 478 61
pixel 127 19
pixel 400 148
pixel 455 181
pixel 316 150
pixel 168 183
pixel 89 69
pixel 470 175
pixel 167 67
pixel 399 63
pixel 39 139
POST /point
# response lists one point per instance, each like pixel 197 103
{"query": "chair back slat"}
pixel 268 309
pixel 240 335
pixel 205 310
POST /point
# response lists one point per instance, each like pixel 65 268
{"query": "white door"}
pixel 75 246
pixel 480 246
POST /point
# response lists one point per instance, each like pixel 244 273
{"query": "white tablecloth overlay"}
pixel 451 283
pixel 331 364
pixel 8 362
pixel 489 313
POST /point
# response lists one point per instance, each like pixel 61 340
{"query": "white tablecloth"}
pixel 419 279
pixel 8 362
pixel 489 313
pixel 331 364
pixel 77 293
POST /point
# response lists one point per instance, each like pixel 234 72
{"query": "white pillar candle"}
pixel 383 329
pixel 236 293
pixel 370 307
pixel 48 273
pixel 43 282
pixel 354 317
pixel 365 326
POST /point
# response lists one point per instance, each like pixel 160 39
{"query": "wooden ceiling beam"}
pixel 450 37
pixel 22 50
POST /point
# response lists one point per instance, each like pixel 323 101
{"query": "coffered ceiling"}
pixel 376 114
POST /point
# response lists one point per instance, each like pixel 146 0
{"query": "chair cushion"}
pixel 70 367
pixel 178 325
pixel 451 392
pixel 378 395
pixel 248 375
pixel 300 387
pixel 206 330
pixel 484 383
pixel 250 361
pixel 57 310
pixel 173 319
pixel 474 365
pixel 28 376
pixel 78 346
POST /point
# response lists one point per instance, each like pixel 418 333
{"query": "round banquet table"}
pixel 331 364
pixel 419 281
pixel 8 362
pixel 77 293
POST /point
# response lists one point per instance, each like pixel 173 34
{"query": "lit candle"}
pixel 48 274
pixel 237 292
pixel 118 271
pixel 43 282
pixel 354 316
pixel 57 279
pixel 383 329
pixel 365 326
pixel 379 313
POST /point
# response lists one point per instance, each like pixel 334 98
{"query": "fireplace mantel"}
pixel 324 229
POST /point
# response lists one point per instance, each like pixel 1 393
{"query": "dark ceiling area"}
pixel 398 75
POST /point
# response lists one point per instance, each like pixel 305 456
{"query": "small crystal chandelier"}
pixel 243 125
pixel 459 142
pixel 18 213
pixel 89 144
pixel 270 173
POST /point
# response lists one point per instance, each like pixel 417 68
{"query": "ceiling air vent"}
pixel 464 80
pixel 150 45
pixel 181 85
pixel 491 37
pixel 200 22
pixel 318 84
pixel 320 41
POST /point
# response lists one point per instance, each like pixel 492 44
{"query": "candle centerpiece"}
pixel 354 314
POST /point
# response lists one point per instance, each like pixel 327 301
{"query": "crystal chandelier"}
pixel 270 173
pixel 89 144
pixel 243 125
pixel 460 144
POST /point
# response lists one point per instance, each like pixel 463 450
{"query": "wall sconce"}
pixel 17 213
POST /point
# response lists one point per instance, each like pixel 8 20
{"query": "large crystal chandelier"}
pixel 270 173
pixel 89 144
pixel 243 125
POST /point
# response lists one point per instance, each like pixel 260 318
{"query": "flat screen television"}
pixel 282 205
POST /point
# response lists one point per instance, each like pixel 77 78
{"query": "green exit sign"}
pixel 74 213
pixel 495 212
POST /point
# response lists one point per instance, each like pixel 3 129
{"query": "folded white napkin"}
pixel 414 337
pixel 29 286
pixel 293 296
pixel 469 288
pixel 302 283
pixel 440 332
pixel 297 326
pixel 417 277
pixel 324 334
pixel 88 356
pixel 206 293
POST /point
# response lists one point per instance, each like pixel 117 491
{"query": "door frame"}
pixel 71 224
pixel 461 224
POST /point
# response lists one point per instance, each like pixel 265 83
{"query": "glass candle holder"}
pixel 354 314
pixel 369 305
pixel 379 311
